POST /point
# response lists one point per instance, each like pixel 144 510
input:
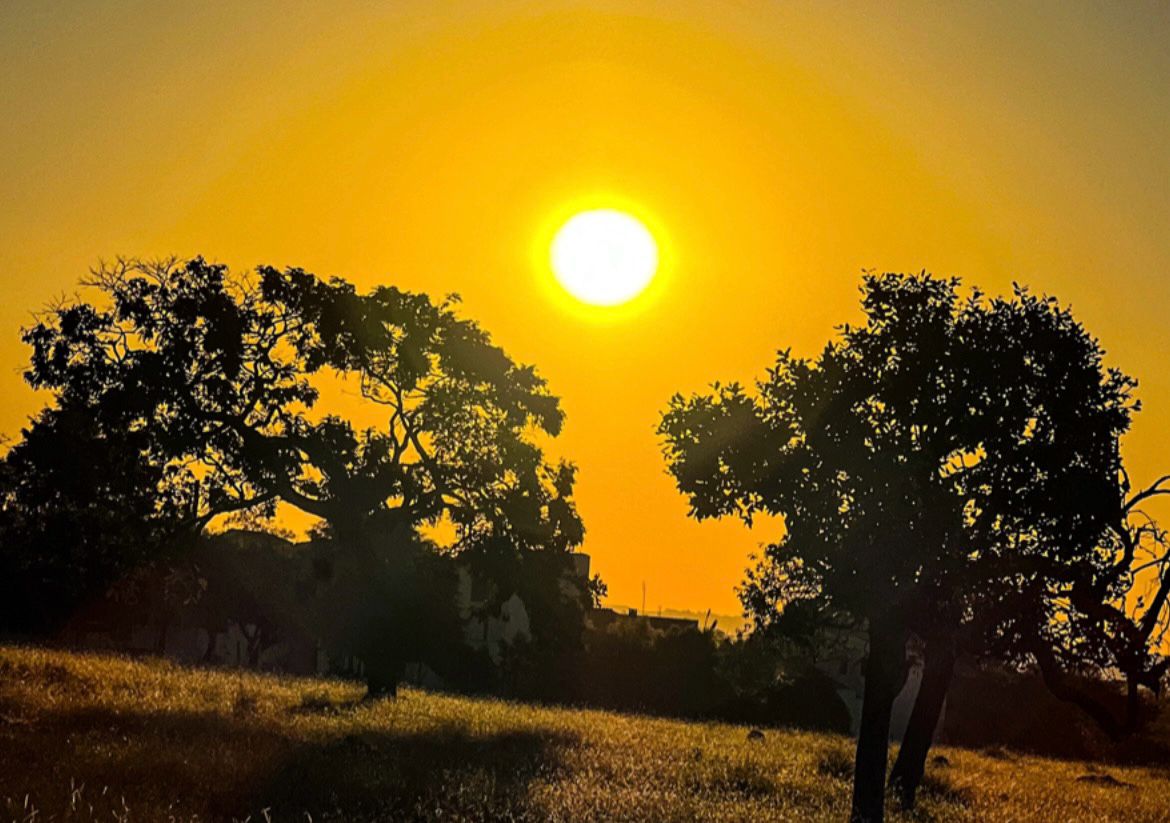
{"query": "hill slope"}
pixel 86 737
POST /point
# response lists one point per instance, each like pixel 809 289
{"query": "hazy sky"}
pixel 777 149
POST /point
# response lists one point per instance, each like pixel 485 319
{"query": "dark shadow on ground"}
pixel 222 767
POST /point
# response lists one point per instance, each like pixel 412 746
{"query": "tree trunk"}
pixel 164 624
pixel 937 669
pixel 382 677
pixel 1059 684
pixel 884 670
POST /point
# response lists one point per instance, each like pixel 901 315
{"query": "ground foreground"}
pixel 87 737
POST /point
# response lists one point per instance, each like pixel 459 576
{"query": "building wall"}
pixel 491 633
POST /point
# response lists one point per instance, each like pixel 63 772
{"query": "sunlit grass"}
pixel 86 737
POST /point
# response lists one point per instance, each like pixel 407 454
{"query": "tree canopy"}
pixel 210 383
pixel 944 437
pixel 949 455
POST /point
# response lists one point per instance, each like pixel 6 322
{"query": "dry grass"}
pixel 85 737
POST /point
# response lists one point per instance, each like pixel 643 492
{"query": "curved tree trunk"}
pixel 937 669
pixel 1063 688
pixel 885 669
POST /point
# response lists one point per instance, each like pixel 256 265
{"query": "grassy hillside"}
pixel 87 737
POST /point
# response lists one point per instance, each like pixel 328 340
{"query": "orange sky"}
pixel 777 150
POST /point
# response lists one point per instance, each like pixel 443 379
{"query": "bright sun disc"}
pixel 604 257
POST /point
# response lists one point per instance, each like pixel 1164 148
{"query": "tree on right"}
pixel 948 469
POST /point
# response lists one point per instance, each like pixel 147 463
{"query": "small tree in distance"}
pixel 948 444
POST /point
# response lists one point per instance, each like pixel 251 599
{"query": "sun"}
pixel 604 257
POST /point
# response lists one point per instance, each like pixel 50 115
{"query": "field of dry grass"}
pixel 86 737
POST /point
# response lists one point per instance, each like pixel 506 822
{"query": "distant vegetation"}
pixel 87 738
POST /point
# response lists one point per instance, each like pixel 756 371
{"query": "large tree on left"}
pixel 205 386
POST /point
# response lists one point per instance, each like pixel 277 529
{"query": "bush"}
pixel 629 665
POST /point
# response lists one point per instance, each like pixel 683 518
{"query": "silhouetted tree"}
pixel 1107 617
pixel 217 376
pixel 1077 618
pixel 78 508
pixel 546 665
pixel 945 443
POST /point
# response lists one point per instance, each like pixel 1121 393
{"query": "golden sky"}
pixel 776 149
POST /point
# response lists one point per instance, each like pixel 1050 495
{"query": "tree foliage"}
pixel 77 508
pixel 951 465
pixel 209 383
pixel 935 445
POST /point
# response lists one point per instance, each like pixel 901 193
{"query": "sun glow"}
pixel 604 257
